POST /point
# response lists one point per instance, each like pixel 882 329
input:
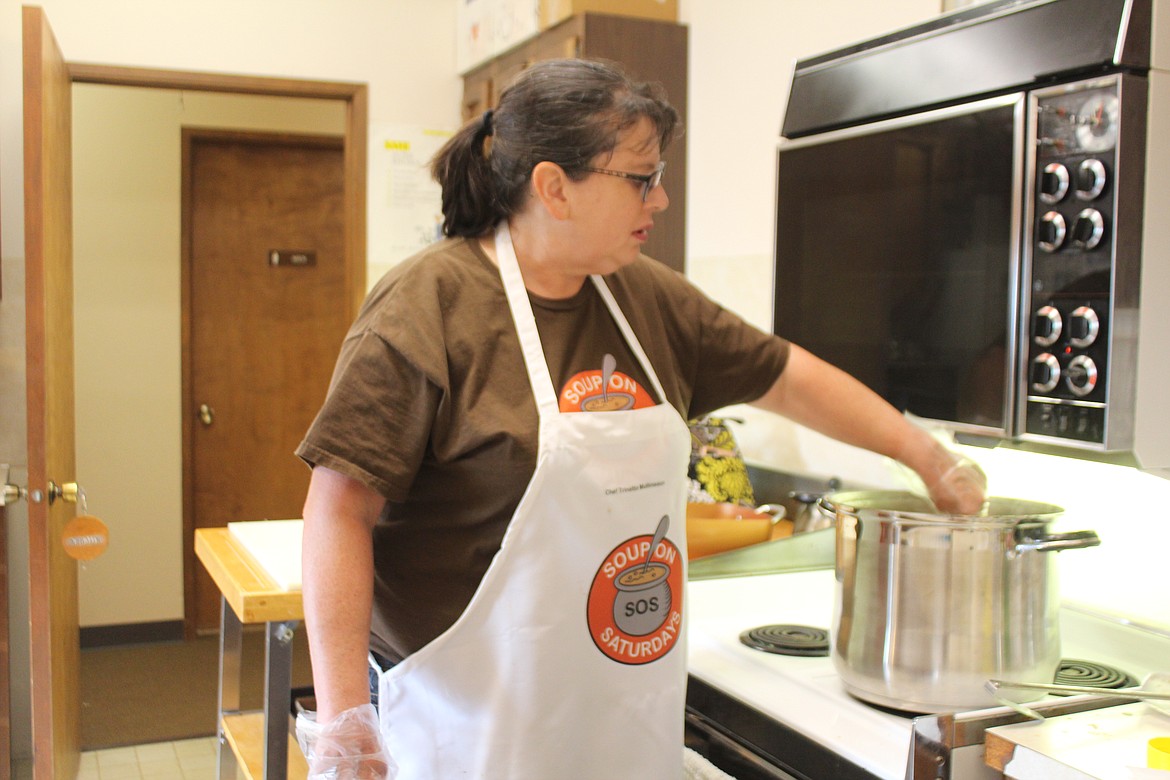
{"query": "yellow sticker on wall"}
pixel 85 537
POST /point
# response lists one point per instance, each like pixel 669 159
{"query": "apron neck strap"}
pixel 628 332
pixel 538 374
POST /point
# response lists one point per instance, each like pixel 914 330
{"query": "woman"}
pixel 496 511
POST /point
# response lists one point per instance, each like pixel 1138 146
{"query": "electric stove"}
pixel 788 716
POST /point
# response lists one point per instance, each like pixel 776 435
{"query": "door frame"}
pixel 48 75
pixel 355 139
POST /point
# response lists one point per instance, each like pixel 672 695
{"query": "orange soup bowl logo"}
pixel 590 391
pixel 635 601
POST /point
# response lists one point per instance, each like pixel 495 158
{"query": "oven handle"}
pixel 712 734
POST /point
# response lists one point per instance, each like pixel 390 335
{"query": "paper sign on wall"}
pixel 405 204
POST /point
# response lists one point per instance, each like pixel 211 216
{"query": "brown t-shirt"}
pixel 430 405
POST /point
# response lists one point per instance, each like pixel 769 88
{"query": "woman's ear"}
pixel 550 185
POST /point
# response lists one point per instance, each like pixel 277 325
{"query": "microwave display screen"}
pixel 896 259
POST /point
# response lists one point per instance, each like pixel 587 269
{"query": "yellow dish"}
pixel 716 528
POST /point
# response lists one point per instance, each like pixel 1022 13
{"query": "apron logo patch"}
pixel 635 601
pixel 604 390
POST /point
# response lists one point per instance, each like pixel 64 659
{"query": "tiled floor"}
pixel 190 759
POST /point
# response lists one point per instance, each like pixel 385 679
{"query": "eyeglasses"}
pixel 648 180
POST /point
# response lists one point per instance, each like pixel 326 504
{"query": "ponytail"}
pixel 463 170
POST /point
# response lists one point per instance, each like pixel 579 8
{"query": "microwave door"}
pixel 897 258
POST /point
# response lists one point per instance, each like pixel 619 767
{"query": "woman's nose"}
pixel 657 198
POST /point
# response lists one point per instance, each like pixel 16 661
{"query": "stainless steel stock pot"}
pixel 929 606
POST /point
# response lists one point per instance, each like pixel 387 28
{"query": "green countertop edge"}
pixel 802 552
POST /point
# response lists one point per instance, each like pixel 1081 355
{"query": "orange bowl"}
pixel 716 528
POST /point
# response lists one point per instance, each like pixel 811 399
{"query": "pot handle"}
pixel 1057 542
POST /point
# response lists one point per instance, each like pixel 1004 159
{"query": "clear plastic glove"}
pixel 954 483
pixel 961 488
pixel 349 747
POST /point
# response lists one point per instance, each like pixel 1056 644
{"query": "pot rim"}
pixel 904 506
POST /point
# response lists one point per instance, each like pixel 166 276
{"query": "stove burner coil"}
pixel 1090 674
pixel 788 640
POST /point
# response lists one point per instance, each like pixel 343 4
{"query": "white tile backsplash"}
pixel 741 284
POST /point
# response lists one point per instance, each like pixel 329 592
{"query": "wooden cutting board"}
pixel 276 546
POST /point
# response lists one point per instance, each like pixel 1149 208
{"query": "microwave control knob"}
pixel 1083 326
pixel 1091 178
pixel 1088 229
pixel 1053 183
pixel 1052 231
pixel 1045 373
pixel 1047 326
pixel 1081 376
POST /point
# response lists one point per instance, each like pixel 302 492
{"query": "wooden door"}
pixel 267 310
pixel 53 613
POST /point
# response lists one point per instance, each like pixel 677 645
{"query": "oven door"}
pixel 749 745
pixel 727 753
pixel 898 254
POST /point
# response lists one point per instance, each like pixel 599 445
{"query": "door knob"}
pixel 69 492
pixel 206 414
pixel 66 491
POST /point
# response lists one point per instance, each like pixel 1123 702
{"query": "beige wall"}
pixel 126 180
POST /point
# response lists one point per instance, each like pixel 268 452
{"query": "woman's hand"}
pixel 954 483
pixel 349 747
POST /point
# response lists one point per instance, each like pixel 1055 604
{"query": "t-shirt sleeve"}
pixel 374 423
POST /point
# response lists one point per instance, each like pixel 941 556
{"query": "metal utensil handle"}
pixel 1057 542
pixel 1126 693
pixel 777 511
pixel 822 503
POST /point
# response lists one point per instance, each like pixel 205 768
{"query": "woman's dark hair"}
pixel 561 111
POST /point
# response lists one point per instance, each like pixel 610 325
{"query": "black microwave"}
pixel 975 258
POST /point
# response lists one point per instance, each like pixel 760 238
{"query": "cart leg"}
pixel 277 697
pixel 231 645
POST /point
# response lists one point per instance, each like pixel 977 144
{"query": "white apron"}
pixel 570 660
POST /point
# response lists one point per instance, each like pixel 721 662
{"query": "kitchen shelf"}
pixel 245 735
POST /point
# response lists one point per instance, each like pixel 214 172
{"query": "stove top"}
pixel 804 693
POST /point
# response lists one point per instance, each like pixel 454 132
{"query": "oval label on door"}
pixel 85 537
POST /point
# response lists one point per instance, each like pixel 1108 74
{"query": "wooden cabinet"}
pixel 648 51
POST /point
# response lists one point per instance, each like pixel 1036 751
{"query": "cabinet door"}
pixel 652 51
pixel 477 93
pixel 508 67
pixel 563 41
